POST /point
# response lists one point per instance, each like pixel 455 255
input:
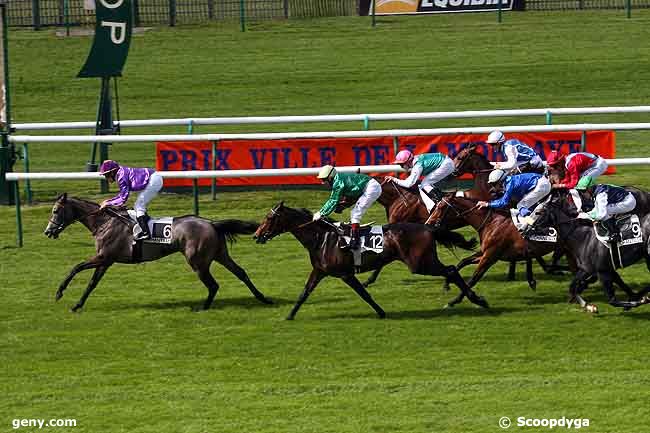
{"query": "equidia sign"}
pixel 396 7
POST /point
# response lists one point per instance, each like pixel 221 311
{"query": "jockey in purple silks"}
pixel 132 179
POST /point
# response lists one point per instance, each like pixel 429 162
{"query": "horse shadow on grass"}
pixel 433 313
pixel 246 303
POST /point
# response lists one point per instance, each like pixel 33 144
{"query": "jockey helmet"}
pixel 496 137
pixel 496 176
pixel 108 166
pixel 555 158
pixel 327 172
pixel 403 157
pixel 585 182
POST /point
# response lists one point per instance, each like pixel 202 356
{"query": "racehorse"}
pixel 201 241
pixel 412 244
pixel 402 205
pixel 592 257
pixel 500 239
pixel 470 161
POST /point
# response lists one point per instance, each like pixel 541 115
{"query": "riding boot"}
pixel 434 193
pixel 144 234
pixel 355 241
pixel 612 231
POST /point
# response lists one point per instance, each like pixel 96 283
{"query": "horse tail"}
pixel 450 240
pixel 231 228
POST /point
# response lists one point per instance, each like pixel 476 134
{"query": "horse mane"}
pixel 413 190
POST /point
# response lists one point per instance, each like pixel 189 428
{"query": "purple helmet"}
pixel 108 166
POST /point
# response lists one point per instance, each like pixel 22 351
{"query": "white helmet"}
pixel 326 172
pixel 495 137
pixel 496 176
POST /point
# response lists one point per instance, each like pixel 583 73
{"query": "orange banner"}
pixel 294 153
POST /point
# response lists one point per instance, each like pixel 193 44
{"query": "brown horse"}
pixel 500 239
pixel 412 244
pixel 470 161
pixel 201 241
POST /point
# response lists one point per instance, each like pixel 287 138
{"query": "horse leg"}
pixel 240 273
pixel 94 280
pixel 631 294
pixel 470 260
pixel 312 281
pixel 512 270
pixel 607 279
pixel 208 281
pixel 352 281
pixel 451 273
pixel 373 277
pixel 529 275
pixel 88 264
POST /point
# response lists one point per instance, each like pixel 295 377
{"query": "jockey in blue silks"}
pixel 526 188
pixel 516 153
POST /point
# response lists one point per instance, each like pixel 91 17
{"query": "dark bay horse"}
pixel 404 205
pixel 592 257
pixel 201 241
pixel 500 239
pixel 412 244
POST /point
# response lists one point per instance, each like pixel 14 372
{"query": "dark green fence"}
pixel 39 13
pixel 555 5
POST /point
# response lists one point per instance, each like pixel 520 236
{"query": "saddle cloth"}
pixel 631 240
pixel 160 229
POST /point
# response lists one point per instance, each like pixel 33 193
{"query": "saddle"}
pixel 629 235
pixel 160 229
pixel 371 239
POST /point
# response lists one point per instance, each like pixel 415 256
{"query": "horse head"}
pixel 61 217
pixel 274 223
pixel 469 160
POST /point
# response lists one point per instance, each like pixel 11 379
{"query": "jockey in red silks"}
pixel 577 166
pixel 132 179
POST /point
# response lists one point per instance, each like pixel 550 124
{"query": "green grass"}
pixel 137 359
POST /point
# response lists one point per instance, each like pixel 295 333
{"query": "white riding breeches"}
pixel 597 168
pixel 626 205
pixel 369 196
pixel 148 193
pixel 446 168
pixel 541 190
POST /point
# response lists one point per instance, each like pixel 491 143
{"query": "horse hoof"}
pixel 447 306
pixel 266 301
pixel 591 308
pixel 483 302
pixel 382 315
pixel 289 318
pixel 75 309
pixel 59 295
pixel 533 285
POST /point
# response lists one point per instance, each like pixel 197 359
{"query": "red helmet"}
pixel 108 166
pixel 555 157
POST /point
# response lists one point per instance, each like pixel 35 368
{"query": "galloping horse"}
pixel 470 161
pixel 402 205
pixel 592 257
pixel 500 239
pixel 412 244
pixel 201 241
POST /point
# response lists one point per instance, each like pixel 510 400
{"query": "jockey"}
pixel 132 179
pixel 433 166
pixel 354 185
pixel 517 154
pixel 577 166
pixel 609 200
pixel 528 188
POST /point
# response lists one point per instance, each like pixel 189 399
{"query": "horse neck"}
pixel 307 234
pixel 397 199
pixel 85 213
pixel 477 217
